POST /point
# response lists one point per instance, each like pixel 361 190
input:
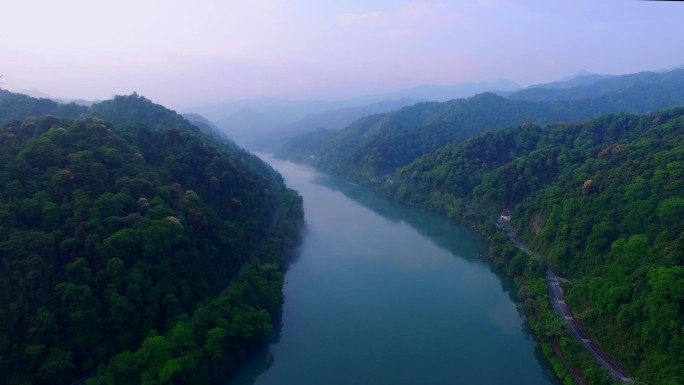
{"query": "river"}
pixel 384 294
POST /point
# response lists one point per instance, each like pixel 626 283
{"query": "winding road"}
pixel 562 309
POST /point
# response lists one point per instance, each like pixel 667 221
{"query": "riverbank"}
pixel 385 293
pixel 571 362
pixel 529 277
pixel 204 346
pixel 571 325
pixel 574 372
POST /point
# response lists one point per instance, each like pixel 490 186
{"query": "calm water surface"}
pixel 383 294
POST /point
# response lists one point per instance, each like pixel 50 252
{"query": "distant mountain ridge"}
pixel 378 145
pixel 205 125
pixel 582 78
pixel 15 106
pixel 442 93
pixel 219 111
pixel 262 123
pixel 592 86
pixel 38 94
pixel 329 120
pixel 251 122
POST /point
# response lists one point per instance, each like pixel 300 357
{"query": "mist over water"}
pixel 384 294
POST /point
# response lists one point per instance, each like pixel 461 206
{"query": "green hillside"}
pixel 603 85
pixel 16 107
pixel 378 144
pixel 602 202
pixel 127 231
pixel 375 146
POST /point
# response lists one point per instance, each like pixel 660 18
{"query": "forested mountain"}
pixel 267 126
pixel 592 86
pixel 205 125
pixel 15 106
pixel 134 109
pixel 602 202
pixel 581 78
pixel 335 119
pixel 255 123
pixel 248 124
pixel 442 93
pixel 4 94
pixel 377 145
pixel 118 239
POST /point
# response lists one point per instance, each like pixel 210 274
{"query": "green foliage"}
pixel 602 202
pixel 111 234
pixel 18 107
pixel 636 93
pixel 376 146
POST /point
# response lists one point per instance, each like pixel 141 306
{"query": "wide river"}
pixel 384 294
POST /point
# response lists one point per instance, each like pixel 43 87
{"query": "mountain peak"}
pixel 580 73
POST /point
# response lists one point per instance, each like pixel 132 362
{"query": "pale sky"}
pixel 183 53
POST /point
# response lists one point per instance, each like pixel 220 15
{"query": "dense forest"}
pixel 15 106
pixel 377 145
pixel 626 87
pixel 136 247
pixel 132 242
pixel 602 202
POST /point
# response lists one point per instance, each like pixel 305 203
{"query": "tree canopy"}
pixel 602 201
pixel 375 146
pixel 121 232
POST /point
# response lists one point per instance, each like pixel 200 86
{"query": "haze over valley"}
pixel 388 192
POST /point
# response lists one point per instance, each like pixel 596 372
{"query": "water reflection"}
pixel 258 361
pixel 433 227
pixel 439 229
pixel 386 293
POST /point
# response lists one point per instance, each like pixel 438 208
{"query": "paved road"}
pixel 562 309
pixel 558 302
